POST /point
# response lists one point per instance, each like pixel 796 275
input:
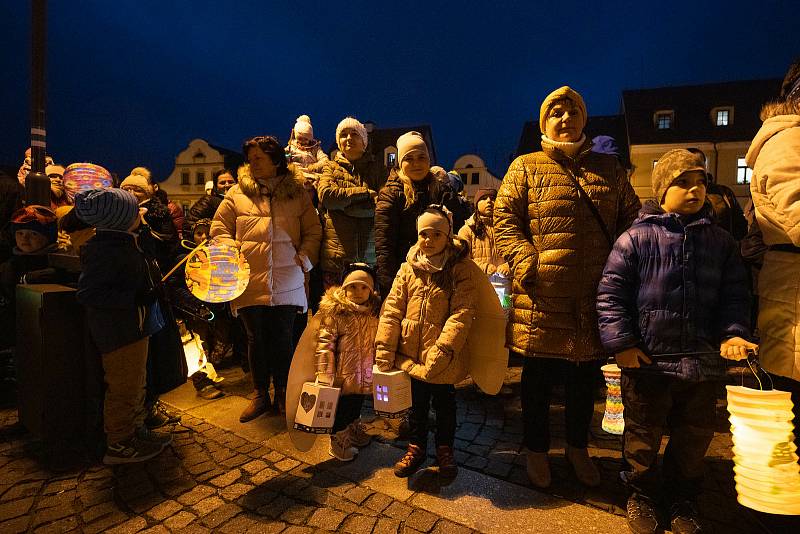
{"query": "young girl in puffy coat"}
pixel 346 351
pixel 423 328
pixel 478 232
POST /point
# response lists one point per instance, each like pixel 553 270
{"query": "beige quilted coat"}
pixel 270 230
pixel 774 156
pixel 426 320
pixel 483 250
pixel 556 248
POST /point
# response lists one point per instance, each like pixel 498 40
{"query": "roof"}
pixel 233 159
pixel 692 105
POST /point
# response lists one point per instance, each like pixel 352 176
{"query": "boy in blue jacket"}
pixel 672 302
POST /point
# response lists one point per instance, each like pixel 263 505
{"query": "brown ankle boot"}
pixel 538 467
pixel 258 405
pixel 446 461
pixel 280 401
pixel 585 470
pixel 411 461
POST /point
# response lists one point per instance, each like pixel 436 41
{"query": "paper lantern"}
pixel 613 422
pixel 216 272
pixel 391 393
pixel 84 176
pixel 502 286
pixel 316 410
pixel 765 468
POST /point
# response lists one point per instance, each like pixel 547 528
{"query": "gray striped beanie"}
pixel 107 209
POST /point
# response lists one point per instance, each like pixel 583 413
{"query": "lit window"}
pixel 476 178
pixel 722 117
pixel 664 120
pixel 201 178
pixel 391 158
pixel 184 178
pixel 743 173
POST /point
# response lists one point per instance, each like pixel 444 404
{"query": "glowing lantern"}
pixel 502 286
pixel 765 461
pixel 84 176
pixel 613 423
pixel 391 393
pixel 217 272
pixel 316 411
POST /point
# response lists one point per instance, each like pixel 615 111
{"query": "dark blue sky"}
pixel 132 82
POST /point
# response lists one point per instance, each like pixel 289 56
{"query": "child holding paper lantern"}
pixel 673 299
pixel 424 325
pixel 345 353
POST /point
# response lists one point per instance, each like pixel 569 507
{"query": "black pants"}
pixel 269 343
pixel 347 410
pixel 653 403
pixel 784 383
pixel 538 377
pixel 443 398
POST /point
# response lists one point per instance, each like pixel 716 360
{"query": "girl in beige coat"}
pixel 346 352
pixel 423 328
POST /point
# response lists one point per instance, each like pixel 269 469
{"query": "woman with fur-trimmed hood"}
pixel 269 216
pixel 346 352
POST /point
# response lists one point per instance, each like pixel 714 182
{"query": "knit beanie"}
pixel 350 122
pixel 438 218
pixel 359 276
pixel 54 169
pixel 561 93
pixel 410 142
pixel 303 125
pixel 107 209
pixel 485 192
pixel 455 181
pixel 670 166
pixel 38 219
pixel 138 180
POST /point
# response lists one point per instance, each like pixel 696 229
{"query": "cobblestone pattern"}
pixel 208 481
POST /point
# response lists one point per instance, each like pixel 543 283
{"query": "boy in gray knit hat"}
pixel 122 313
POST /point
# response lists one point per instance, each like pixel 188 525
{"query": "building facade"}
pixel 475 175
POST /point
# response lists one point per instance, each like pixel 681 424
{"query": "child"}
pixel 118 294
pixel 478 232
pixel 672 299
pixel 423 328
pixel 345 353
pixel 303 150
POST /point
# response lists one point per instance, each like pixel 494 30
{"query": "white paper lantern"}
pixel 765 468
pixel 391 393
pixel 316 411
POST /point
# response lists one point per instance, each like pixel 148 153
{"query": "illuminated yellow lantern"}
pixel 613 423
pixel 765 468
pixel 216 272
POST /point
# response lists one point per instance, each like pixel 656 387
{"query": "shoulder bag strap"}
pixel 582 193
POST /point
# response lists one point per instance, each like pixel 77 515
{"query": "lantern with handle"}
pixel 613 421
pixel 216 272
pixel 391 392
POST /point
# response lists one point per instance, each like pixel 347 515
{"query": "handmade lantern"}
pixel 765 461
pixel 216 272
pixel 316 410
pixel 613 423
pixel 391 393
pixel 84 176
pixel 502 286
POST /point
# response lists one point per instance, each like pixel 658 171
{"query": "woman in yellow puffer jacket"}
pixel 423 328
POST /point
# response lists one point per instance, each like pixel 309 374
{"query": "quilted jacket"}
pixel 557 249
pixel 483 250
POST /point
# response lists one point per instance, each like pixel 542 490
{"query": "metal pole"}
pixel 37 185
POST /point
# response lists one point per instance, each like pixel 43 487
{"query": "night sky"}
pixel 132 82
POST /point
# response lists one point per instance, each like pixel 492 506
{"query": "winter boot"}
pixel 538 466
pixel 411 461
pixel 341 448
pixel 683 518
pixel 641 515
pixel 159 416
pixel 358 434
pixel 446 462
pixel 583 466
pixel 258 405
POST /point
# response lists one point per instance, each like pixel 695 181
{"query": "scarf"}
pixel 429 264
pixel 570 149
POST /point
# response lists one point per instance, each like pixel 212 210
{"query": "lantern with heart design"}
pixel 216 272
pixel 84 176
pixel 317 408
pixel 391 393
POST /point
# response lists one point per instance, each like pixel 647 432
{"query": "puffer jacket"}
pixel 426 320
pixel 774 156
pixel 309 158
pixel 483 250
pixel 674 287
pixel 205 208
pixel 270 228
pixel 346 341
pixel 557 249
pixel 396 225
pixel 348 208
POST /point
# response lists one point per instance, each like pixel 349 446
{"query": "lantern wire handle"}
pixel 756 369
pixel 184 260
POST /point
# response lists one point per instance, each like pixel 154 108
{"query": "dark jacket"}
pixel 726 210
pixel 159 237
pixel 115 288
pixel 396 225
pixel 204 208
pixel 672 287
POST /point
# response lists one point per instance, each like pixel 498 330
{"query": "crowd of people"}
pixel 385 262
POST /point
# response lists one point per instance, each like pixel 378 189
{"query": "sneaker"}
pixel 151 436
pixel 358 434
pixel 642 517
pixel 159 416
pixel 683 518
pixel 584 468
pixel 411 461
pixel 537 465
pixel 446 461
pixel 340 446
pixel 210 392
pixel 130 451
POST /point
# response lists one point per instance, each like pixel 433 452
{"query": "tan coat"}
pixel 270 229
pixel 346 342
pixel 482 250
pixel 426 320
pixel 774 156
pixel 557 249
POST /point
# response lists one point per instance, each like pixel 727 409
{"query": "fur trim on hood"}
pixel 335 302
pixel 290 187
